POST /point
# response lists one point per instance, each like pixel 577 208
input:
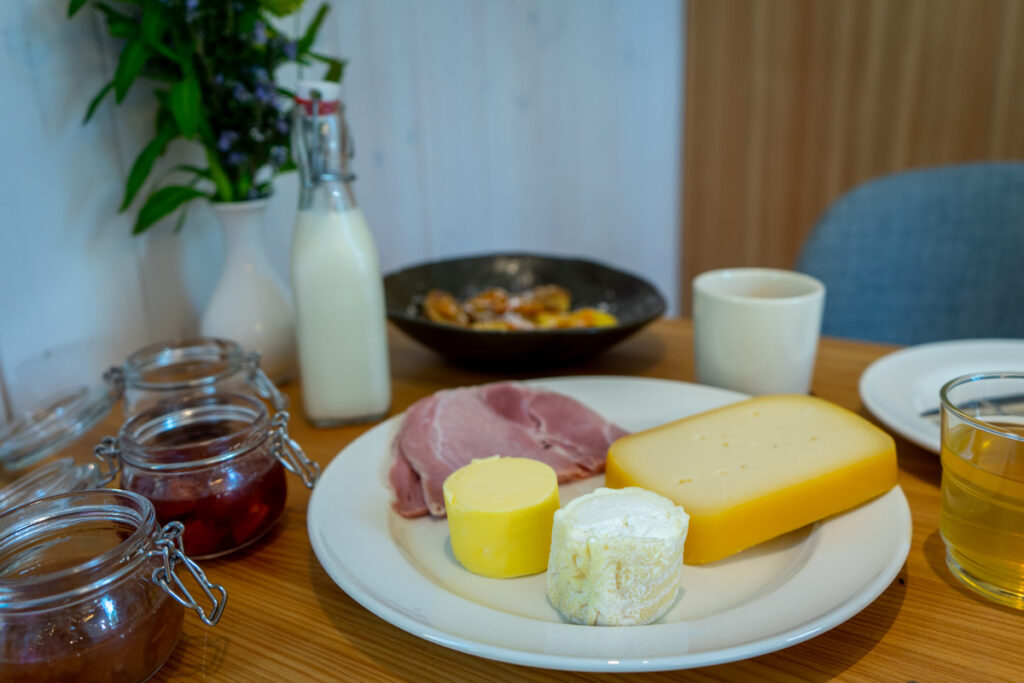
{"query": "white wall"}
pixel 521 124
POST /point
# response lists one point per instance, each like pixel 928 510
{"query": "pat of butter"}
pixel 499 515
pixel 616 557
pixel 757 469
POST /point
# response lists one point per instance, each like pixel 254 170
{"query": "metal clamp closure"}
pixel 259 381
pixel 114 376
pixel 169 546
pixel 109 454
pixel 289 453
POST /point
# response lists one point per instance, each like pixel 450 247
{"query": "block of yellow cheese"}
pixel 756 469
pixel 499 515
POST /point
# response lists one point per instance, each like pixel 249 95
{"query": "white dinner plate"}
pixel 769 597
pixel 900 388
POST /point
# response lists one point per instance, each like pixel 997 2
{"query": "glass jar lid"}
pixel 59 476
pixel 183 363
pixel 53 424
pixel 191 364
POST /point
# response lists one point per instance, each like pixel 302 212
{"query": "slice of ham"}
pixel 449 429
pixel 560 419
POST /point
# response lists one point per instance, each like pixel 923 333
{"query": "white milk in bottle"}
pixel 336 279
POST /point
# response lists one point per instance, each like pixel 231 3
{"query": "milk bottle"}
pixel 336 279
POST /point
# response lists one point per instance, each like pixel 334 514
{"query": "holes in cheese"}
pixel 790 461
pixel 616 557
pixel 499 515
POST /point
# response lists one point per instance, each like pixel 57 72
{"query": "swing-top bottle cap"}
pixel 329 95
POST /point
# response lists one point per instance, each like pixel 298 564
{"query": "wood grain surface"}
pixel 789 103
pixel 286 620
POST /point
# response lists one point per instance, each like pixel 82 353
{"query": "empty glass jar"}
pixel 184 368
pixel 58 476
pixel 53 425
pixel 214 463
pixel 90 589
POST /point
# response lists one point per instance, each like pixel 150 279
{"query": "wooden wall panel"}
pixel 789 103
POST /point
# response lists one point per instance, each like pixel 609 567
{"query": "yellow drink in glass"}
pixel 982 519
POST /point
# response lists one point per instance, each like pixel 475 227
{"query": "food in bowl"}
pixel 546 306
pixel 633 301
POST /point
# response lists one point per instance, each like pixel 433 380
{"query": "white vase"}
pixel 250 304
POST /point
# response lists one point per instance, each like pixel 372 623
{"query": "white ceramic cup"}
pixel 756 329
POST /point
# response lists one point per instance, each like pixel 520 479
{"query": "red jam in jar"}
pixel 216 464
pixel 84 594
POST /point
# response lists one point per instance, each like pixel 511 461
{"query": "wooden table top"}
pixel 287 620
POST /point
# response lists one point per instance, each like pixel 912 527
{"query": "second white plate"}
pixel 900 388
pixel 769 597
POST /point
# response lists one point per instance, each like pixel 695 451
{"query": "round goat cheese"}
pixel 616 557
pixel 499 515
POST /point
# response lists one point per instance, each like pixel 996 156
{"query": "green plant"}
pixel 214 63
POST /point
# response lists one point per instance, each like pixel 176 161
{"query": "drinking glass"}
pixel 982 518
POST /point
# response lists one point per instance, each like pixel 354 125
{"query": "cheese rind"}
pixel 616 557
pixel 757 469
pixel 499 515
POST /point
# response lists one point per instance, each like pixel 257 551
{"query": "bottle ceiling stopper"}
pixel 330 95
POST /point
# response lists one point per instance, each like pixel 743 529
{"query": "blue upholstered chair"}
pixel 924 255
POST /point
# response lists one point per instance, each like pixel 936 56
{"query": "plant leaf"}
pixel 219 177
pixel 189 168
pixel 307 40
pixel 281 8
pixel 244 183
pixel 96 101
pixel 74 6
pixel 154 23
pixel 119 24
pixel 178 224
pixel 133 58
pixel 184 104
pixel 161 203
pixel 144 164
pixel 335 67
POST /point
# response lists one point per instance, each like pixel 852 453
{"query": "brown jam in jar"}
pixel 216 464
pixel 80 597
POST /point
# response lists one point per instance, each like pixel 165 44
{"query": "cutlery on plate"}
pixel 996 406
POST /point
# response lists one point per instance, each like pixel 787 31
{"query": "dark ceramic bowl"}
pixel 634 301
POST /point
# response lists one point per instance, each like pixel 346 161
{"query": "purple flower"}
pixel 291 49
pixel 218 79
pixel 235 159
pixel 260 74
pixel 264 94
pixel 259 34
pixel 191 10
pixel 241 94
pixel 226 139
pixel 282 125
pixel 278 156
